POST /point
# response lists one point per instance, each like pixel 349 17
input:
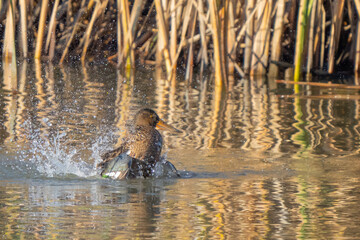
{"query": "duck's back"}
pixel 144 143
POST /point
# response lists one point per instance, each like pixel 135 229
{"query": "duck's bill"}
pixel 161 125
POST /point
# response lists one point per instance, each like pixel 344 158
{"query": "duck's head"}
pixel 148 117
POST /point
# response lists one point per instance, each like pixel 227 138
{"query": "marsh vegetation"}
pixel 242 37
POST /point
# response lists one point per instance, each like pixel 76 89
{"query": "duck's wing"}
pixel 171 169
pixel 123 166
pixel 166 169
pixel 107 157
pixel 118 167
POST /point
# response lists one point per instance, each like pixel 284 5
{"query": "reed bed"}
pixel 244 37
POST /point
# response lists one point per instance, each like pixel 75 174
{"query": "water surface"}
pixel 257 162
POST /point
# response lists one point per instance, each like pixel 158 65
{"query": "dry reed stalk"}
pixel 276 39
pixel 51 52
pixel 317 37
pixel 41 29
pixel 125 19
pixel 357 52
pixel 146 19
pixel 134 17
pixel 311 37
pixel 129 37
pixel 164 39
pixel 336 22
pixel 242 31
pixel 218 58
pixel 9 50
pixel 231 35
pixel 145 41
pixel 184 28
pixel 23 29
pixel 196 38
pixel 352 23
pixel 260 53
pixel 173 34
pixel 179 10
pixel 135 14
pixel 69 12
pixel 190 62
pixel 322 49
pixel 357 5
pixel 202 27
pixel 118 31
pixel 249 34
pixel 223 24
pixel 238 68
pixel 51 25
pixel 75 26
pixel 89 29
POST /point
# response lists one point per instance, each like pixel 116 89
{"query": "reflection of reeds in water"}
pixel 304 206
pixel 10 84
pixel 252 36
pixel 217 119
pixel 41 95
pixel 300 138
pixel 252 117
pixel 21 98
pixel 123 96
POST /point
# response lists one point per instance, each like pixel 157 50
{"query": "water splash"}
pixel 53 157
pixel 54 154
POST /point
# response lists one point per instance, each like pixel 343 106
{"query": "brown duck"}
pixel 140 151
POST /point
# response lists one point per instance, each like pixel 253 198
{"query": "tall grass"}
pixel 245 37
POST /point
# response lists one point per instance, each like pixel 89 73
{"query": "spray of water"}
pixel 53 155
pixel 54 158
